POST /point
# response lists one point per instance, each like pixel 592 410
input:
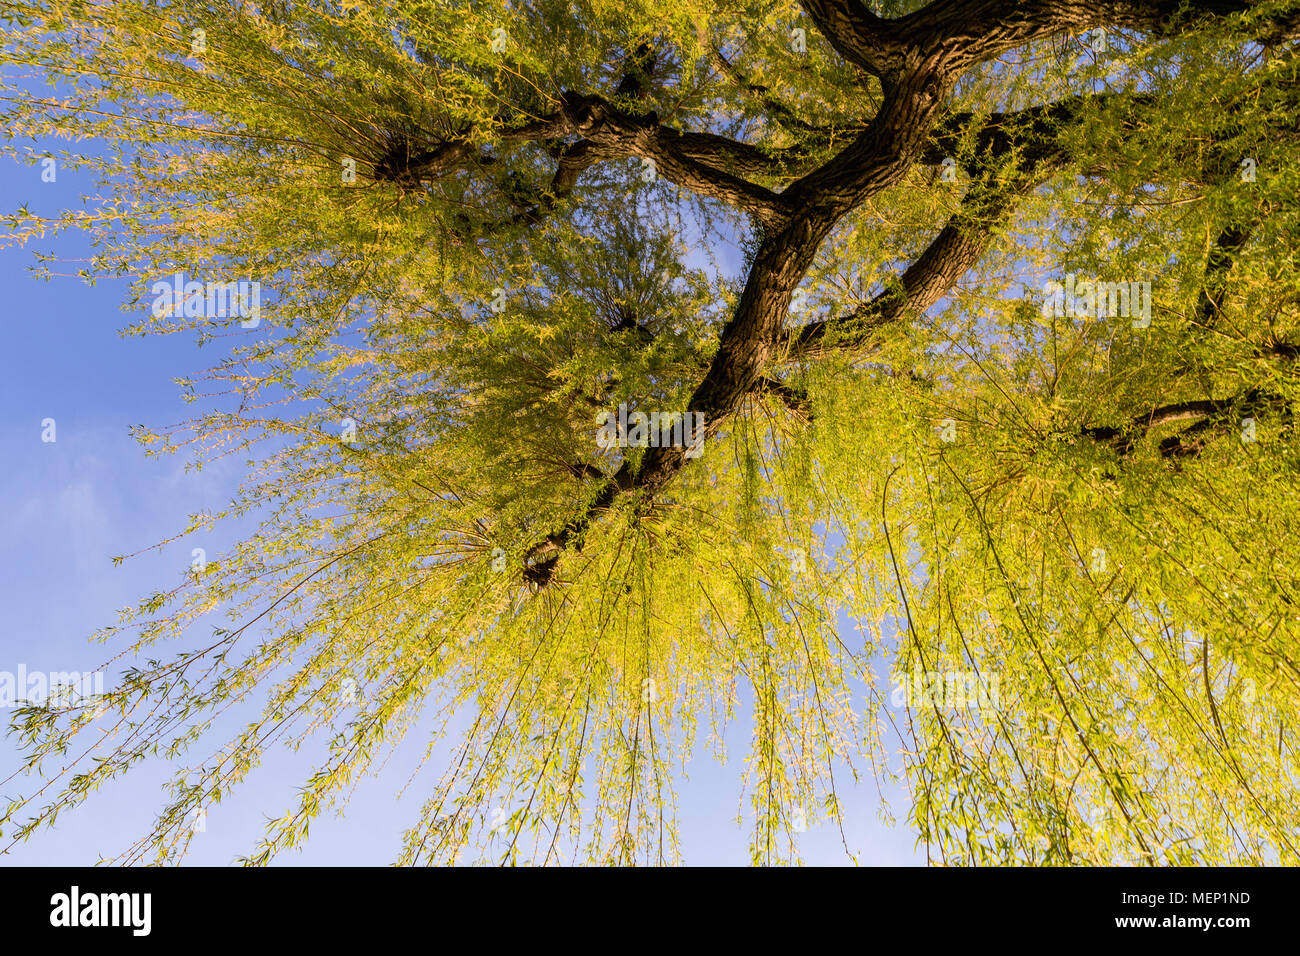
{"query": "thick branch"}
pixel 966 32
pixel 957 34
pixel 796 400
pixel 1209 415
pixel 862 38
pixel 1032 133
pixel 955 251
pixel 695 161
pixel 705 163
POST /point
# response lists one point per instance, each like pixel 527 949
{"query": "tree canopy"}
pixel 987 312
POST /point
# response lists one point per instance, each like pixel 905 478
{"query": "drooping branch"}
pixel 458 151
pixel 707 164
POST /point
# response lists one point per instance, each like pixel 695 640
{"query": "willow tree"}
pixel 994 396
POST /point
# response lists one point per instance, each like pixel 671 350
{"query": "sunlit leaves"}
pixel 442 322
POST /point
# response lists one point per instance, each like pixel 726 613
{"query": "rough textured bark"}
pixel 917 59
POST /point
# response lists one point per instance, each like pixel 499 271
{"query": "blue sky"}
pixel 91 494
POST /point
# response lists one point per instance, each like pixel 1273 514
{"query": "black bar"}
pixel 941 906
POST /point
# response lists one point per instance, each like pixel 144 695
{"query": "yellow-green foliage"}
pixel 1139 611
